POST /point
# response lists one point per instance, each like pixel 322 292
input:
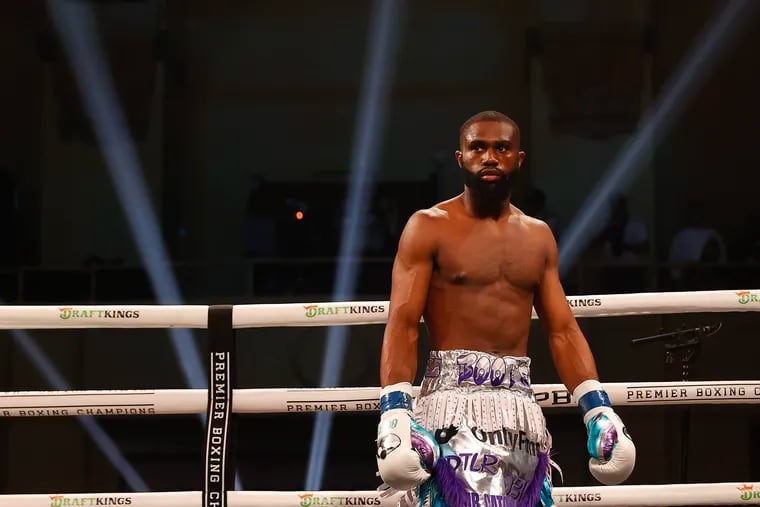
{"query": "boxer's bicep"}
pixel 570 351
pixel 550 301
pixel 412 270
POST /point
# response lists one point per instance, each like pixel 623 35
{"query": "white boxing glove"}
pixel 406 453
pixel 613 454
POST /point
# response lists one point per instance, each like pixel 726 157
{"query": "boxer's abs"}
pixel 491 318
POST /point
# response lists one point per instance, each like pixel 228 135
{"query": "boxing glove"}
pixel 613 454
pixel 406 452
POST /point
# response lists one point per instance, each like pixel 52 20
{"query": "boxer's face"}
pixel 489 153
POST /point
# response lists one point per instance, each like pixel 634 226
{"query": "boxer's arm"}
pixel 402 446
pixel 570 351
pixel 412 269
pixel 611 450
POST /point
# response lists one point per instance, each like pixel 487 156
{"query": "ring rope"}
pixel 356 313
pixel 343 399
pixel 348 312
pixel 720 493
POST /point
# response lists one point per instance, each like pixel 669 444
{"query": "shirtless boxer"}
pixel 474 267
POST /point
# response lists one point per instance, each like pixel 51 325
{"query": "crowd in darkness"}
pixel 8 216
pixel 297 221
pixel 623 251
pixel 292 234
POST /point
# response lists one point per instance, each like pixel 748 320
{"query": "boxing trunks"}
pixel 482 411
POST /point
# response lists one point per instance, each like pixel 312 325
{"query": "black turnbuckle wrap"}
pixel 219 472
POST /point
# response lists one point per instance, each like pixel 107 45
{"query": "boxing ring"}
pixel 223 398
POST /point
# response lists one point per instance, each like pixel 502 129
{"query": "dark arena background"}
pixel 202 155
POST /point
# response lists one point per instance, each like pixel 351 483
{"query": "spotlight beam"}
pixel 77 30
pixel 656 123
pixel 373 104
pixel 55 380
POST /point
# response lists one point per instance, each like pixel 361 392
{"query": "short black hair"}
pixel 489 116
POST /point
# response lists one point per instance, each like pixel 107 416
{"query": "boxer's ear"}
pixel 458 156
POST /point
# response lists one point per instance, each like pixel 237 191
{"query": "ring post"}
pixel 219 468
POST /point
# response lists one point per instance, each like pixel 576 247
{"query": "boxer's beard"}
pixel 488 197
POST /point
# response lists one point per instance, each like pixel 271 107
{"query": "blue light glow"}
pixel 373 104
pixel 56 381
pixel 655 124
pixel 77 30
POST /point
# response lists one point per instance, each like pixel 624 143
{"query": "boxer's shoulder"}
pixel 446 209
pixel 430 219
pixel 435 213
pixel 531 225
pixel 519 216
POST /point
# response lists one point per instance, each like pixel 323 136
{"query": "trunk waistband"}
pixel 475 370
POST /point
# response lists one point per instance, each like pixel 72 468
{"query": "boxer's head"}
pixel 489 154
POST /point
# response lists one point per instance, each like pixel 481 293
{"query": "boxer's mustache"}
pixel 492 171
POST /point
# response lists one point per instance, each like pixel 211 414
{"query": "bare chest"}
pixel 491 255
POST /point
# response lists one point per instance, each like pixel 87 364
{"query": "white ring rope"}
pixel 612 305
pixel 343 399
pixel 720 493
pixel 349 312
pixel 103 316
pixel 42 403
